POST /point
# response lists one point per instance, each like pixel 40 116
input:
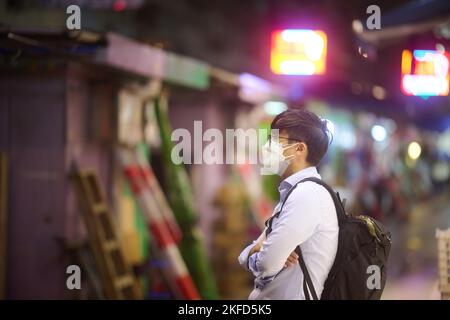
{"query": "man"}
pixel 308 217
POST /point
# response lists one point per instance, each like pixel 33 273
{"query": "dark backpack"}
pixel 359 269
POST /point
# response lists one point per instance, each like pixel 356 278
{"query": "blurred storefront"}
pixel 78 100
pixel 71 105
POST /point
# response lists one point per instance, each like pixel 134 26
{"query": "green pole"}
pixel 181 200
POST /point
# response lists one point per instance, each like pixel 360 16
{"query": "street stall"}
pixel 110 106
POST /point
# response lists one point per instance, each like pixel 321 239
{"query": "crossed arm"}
pixel 291 260
pixel 265 257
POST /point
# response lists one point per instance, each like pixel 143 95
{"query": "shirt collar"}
pixel 298 176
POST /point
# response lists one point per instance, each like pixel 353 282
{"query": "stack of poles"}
pixel 166 211
pixel 179 279
pixel 181 199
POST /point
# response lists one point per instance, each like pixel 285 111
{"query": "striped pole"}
pixel 181 282
pixel 181 199
pixel 167 213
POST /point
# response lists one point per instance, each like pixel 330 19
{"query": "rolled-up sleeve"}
pixel 243 257
pixel 297 222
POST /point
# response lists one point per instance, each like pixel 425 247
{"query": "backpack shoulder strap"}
pixel 340 210
pixel 307 282
pixel 341 216
pixel 276 215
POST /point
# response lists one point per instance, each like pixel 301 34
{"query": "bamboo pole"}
pixel 181 200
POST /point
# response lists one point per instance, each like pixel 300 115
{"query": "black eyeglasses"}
pixel 289 139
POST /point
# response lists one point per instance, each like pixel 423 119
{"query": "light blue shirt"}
pixel 308 219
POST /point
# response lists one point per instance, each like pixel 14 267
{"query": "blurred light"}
pixel 443 143
pixel 357 26
pixel 254 89
pixel 253 82
pixel 274 107
pixel 330 126
pixel 424 86
pixel 440 171
pixel 297 67
pixel 346 138
pixel 406 62
pixel 119 5
pixel 414 150
pixel 425 73
pixel 298 52
pixel 379 92
pixel 378 133
pixel 363 53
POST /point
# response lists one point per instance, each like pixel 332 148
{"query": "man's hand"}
pixel 291 260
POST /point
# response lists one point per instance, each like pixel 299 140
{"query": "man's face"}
pixel 287 141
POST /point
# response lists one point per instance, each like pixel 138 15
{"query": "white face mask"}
pixel 273 159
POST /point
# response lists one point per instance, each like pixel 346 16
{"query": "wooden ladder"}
pixel 116 275
pixel 443 244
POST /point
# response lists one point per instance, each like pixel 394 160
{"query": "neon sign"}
pixel 298 52
pixel 425 73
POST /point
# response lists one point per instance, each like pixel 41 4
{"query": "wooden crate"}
pixel 443 246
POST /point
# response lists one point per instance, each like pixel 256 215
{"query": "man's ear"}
pixel 302 147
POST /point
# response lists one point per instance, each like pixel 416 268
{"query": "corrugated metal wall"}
pixel 46 122
pixel 34 109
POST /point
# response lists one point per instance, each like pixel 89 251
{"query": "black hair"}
pixel 305 126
